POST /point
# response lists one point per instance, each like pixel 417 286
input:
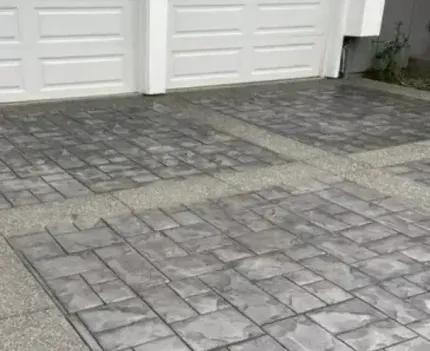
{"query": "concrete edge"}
pixel 394 155
pixel 389 88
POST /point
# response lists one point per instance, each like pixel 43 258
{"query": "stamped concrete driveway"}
pixel 287 217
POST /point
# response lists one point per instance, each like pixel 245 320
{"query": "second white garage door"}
pixel 65 48
pixel 230 41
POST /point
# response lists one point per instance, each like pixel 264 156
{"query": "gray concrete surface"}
pixel 294 240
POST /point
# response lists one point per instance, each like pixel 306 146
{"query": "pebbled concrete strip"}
pixel 256 135
pixel 413 193
pixel 293 174
pixel 44 330
pixel 389 88
pixel 19 292
pixel 174 192
pixel 394 155
pixel 84 211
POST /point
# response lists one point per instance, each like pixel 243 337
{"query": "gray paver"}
pixel 246 297
pixel 346 316
pixel 216 329
pixel 167 304
pixel 294 334
pixel 376 336
pixel 296 298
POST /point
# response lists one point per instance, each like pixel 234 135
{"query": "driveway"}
pixel 288 217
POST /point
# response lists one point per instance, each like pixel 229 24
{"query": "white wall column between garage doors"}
pixel 230 41
pixel 66 48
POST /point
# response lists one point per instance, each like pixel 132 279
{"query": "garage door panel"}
pixel 11 73
pixel 207 17
pixel 295 18
pixel 220 42
pixel 9 28
pixel 80 48
pixel 90 70
pixel 233 41
pixel 208 62
pixel 296 58
pixel 64 48
pixel 93 22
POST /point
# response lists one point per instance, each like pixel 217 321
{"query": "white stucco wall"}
pixel 415 16
pixel 420 31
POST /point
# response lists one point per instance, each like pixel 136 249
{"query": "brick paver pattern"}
pixel 334 268
pixel 72 149
pixel 340 119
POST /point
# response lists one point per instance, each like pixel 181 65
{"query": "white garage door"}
pixel 65 48
pixel 230 41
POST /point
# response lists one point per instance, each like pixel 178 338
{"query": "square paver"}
pixel 216 329
pixel 301 334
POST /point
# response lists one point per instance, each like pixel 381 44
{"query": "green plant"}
pixel 387 63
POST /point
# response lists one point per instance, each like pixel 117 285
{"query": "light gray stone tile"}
pixel 296 298
pixel 390 244
pixel 352 219
pixel 113 291
pixel 74 293
pixel 327 292
pixel 265 343
pixel 402 288
pixel 133 335
pixel 346 316
pixel 156 246
pixel 216 329
pixel 338 272
pixel 422 302
pixel 369 232
pixel 189 266
pixel 265 266
pixel 206 244
pixel 186 218
pixel 268 240
pixel 99 276
pixel 303 276
pixel 419 253
pixel 389 266
pixel 189 287
pixel 303 251
pixel 116 315
pixel 57 267
pixel 377 336
pixel 324 220
pixel 344 249
pixel 232 252
pixel 88 239
pixel 131 267
pixel 192 231
pixel 167 304
pixel 402 226
pixel 421 327
pixel 127 225
pixel 246 297
pixel 422 279
pixel 171 343
pixel 157 220
pixel 301 334
pixel 208 302
pixel 392 306
pixel 418 344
